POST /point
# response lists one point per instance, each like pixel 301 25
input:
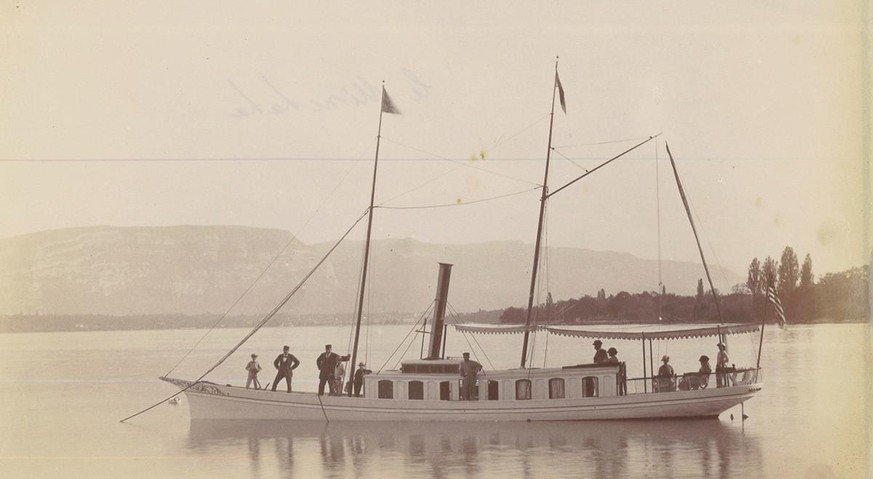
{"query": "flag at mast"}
pixel 777 305
pixel 388 105
pixel 560 91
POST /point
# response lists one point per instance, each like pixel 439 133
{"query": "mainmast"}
pixel 545 195
pixel 387 107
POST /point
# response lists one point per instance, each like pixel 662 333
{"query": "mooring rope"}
pixel 322 407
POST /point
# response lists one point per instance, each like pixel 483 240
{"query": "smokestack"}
pixel 439 312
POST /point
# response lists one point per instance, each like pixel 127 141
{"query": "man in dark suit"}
pixel 286 363
pixel 326 363
pixel 359 378
pixel 599 353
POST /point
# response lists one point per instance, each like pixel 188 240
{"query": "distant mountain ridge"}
pixel 204 269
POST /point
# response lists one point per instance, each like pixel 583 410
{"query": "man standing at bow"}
pixel 285 363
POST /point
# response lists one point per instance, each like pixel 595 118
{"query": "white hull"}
pixel 211 401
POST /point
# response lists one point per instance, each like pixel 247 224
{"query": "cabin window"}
pixel 523 389
pixel 445 390
pixel 556 388
pixel 493 390
pixel 386 389
pixel 589 387
pixel 416 390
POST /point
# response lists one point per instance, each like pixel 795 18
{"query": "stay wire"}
pixel 465 203
pixel 406 337
pixel 260 324
pixel 608 142
pixel 658 214
pixel 408 346
pixel 571 160
pixel 533 339
pixel 542 269
pixel 470 345
pixel 546 275
pixel 421 185
pixel 257 279
pixel 712 251
pixel 371 291
pixel 497 144
pixel 588 172
pixel 485 354
pixel 357 294
pixel 460 163
pixel 238 299
pixel 391 356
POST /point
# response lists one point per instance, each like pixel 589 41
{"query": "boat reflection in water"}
pixel 589 449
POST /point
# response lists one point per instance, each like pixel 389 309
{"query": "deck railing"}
pixel 693 380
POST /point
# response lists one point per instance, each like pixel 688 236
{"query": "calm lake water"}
pixel 62 395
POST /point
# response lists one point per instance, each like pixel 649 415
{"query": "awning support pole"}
pixel 645 379
pixel 651 360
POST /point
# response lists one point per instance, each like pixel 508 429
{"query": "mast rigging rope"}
pixel 466 203
pixel 263 321
pixel 223 316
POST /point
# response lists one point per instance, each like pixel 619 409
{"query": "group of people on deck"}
pixel 331 372
pixel 604 356
pixel 666 379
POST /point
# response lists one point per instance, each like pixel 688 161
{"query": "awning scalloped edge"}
pixel 656 332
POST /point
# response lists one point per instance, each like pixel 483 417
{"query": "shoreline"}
pixel 80 323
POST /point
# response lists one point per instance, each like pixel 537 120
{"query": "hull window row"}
pixel 523 389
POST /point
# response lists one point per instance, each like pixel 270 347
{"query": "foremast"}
pixel 387 106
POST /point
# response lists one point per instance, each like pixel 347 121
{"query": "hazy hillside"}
pixel 203 269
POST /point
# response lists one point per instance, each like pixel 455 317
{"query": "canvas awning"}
pixel 653 331
pixel 494 328
pixel 632 332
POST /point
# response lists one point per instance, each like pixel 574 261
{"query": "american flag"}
pixel 777 305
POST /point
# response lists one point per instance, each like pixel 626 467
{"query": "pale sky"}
pixel 764 106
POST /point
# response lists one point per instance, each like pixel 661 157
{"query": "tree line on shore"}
pixel 835 297
pixel 20 323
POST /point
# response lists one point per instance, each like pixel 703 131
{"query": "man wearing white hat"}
pixel 253 368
